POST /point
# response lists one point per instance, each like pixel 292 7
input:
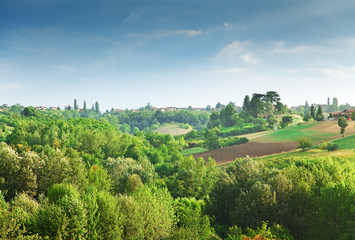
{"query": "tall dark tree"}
pixel 272 97
pixel 319 114
pixel 313 112
pixel 76 105
pixel 228 116
pixel 256 105
pixel 29 111
pixel 246 103
pixel 97 107
pixel 85 106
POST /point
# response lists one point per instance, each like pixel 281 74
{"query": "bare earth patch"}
pixel 251 149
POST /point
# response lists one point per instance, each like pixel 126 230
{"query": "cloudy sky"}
pixel 125 54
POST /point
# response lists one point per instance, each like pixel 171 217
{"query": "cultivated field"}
pixel 251 149
pixel 284 140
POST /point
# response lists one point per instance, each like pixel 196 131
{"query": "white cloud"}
pixel 280 49
pixel 248 58
pixel 164 34
pixel 235 48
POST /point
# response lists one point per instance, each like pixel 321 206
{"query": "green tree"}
pixel 353 115
pixel 211 139
pixel 313 112
pixel 271 120
pixel 29 112
pixel 272 97
pixel 97 107
pixel 256 106
pixel 286 120
pixel 85 108
pixel 304 143
pixel 246 103
pixel 319 114
pixel 342 123
pixel 75 105
pixel 156 208
pixel 228 116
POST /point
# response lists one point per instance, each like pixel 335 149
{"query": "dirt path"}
pixel 252 149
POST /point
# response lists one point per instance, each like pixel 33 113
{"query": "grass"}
pixel 291 134
pixel 190 151
pixel 346 142
pixel 348 154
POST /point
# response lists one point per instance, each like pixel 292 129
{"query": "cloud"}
pixel 248 58
pixel 234 48
pixel 165 34
pixel 280 49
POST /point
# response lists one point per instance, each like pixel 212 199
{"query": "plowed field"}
pixel 252 149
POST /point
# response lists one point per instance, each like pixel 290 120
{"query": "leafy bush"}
pixel 329 146
pixel 232 141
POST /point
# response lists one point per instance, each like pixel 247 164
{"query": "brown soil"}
pixel 251 149
pixel 332 127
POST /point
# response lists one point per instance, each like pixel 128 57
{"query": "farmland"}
pixel 284 140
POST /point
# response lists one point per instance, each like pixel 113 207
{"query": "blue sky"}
pixel 125 54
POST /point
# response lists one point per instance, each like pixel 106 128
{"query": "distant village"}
pixel 333 109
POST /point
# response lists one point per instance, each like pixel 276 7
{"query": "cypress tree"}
pixel 312 111
pixel 85 106
pixel 76 105
pixel 319 115
pixel 97 107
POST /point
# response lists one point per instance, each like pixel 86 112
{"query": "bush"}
pixel 329 146
pixel 232 141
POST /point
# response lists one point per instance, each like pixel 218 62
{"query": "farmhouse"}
pixel 346 113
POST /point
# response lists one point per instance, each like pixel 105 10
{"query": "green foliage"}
pixel 232 141
pixel 342 123
pixel 319 114
pixel 192 223
pixel 157 211
pixel 296 192
pixel 286 120
pixel 304 143
pixel 193 178
pixel 190 151
pixel 120 170
pixel 330 146
pixel 211 139
pixel 29 112
pixel 271 120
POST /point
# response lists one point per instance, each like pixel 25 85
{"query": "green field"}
pixel 194 150
pixel 291 134
pixel 346 143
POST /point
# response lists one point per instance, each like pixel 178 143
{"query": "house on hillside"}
pixel 41 108
pixel 346 113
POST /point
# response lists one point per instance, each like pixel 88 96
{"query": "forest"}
pixel 66 174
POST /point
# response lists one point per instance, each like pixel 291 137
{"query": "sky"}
pixel 125 54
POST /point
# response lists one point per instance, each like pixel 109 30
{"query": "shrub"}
pixel 329 146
